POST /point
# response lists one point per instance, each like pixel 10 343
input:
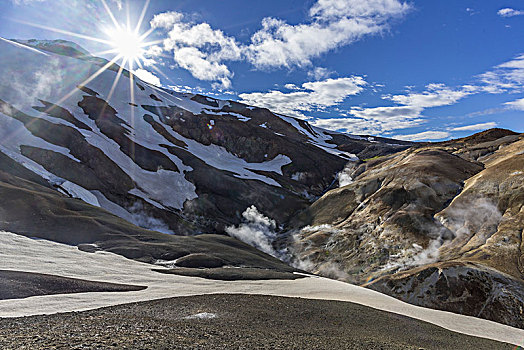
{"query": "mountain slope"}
pixel 172 162
pixel 438 225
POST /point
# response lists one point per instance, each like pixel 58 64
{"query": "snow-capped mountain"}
pixel 172 162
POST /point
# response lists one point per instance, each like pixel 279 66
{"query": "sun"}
pixel 127 43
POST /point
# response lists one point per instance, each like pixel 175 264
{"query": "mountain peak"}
pixel 61 47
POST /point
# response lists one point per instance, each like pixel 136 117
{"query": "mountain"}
pixel 138 157
pixel 104 161
pixel 437 225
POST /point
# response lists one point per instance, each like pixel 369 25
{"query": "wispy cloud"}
pixel 509 12
pixel 506 77
pixel 475 127
pixel 517 104
pixel 332 24
pixel 406 114
pixel 425 135
pixel 374 121
pixel 319 73
pixel 435 95
pixel 471 11
pixel 366 127
pixel 312 96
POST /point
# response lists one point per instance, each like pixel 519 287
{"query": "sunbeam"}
pixel 125 41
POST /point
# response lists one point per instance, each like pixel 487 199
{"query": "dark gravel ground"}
pixel 233 322
pixel 19 284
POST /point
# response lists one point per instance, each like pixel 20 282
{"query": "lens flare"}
pixel 127 43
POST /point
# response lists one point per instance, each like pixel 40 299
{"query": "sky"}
pixel 413 70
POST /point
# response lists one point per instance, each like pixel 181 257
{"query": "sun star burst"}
pixel 127 44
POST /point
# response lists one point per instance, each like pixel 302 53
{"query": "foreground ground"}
pixel 232 322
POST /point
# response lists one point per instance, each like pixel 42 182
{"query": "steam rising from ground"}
pixel 142 219
pixel 260 232
pixel 345 176
pixel 42 83
pixel 257 230
pixel 324 267
pixel 478 216
pixel 467 219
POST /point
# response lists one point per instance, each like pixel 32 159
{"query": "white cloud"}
pixel 314 96
pixel 475 127
pixel 147 76
pixel 517 104
pixel 378 120
pixel 436 95
pixel 319 73
pixel 333 23
pixel 198 48
pixel 333 9
pixel 471 11
pixel 509 12
pixel 291 87
pixel 374 121
pixel 426 135
pixel 508 76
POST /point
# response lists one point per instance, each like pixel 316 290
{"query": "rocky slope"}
pixel 438 225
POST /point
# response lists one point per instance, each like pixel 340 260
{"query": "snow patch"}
pixel 201 316
pixel 77 191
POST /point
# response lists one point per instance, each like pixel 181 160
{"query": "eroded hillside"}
pixel 438 225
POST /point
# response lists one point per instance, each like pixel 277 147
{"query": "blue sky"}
pixel 418 70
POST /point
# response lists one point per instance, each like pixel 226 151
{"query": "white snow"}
pixel 239 116
pixel 218 157
pixel 79 192
pixel 202 315
pixel 319 138
pixel 34 74
pixel 23 46
pixel 112 207
pixel 35 42
pixel 152 185
pixel 13 134
pixel 54 258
